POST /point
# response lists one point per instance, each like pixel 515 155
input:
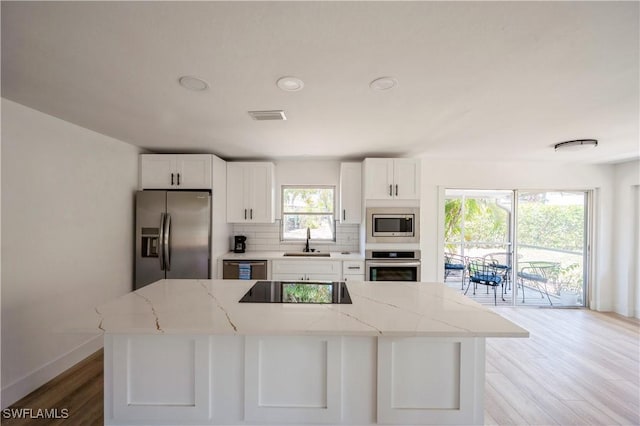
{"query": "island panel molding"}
pixel 293 379
pixel 157 378
pixel 430 381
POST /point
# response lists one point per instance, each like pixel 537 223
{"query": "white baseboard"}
pixel 32 381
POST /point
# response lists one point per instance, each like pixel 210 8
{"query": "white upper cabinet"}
pixel 392 178
pixel 250 192
pixel 175 171
pixel 351 193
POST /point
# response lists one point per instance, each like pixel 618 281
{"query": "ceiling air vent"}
pixel 267 115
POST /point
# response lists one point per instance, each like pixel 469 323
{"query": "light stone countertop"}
pixel 378 309
pixel 279 255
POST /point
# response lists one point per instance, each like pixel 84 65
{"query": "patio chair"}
pixel 455 262
pixel 502 262
pixel 538 274
pixel 485 273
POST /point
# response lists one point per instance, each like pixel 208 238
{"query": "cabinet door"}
pixel 288 277
pixel 351 193
pixel 353 278
pixel 156 170
pixel 406 178
pixel 378 178
pixel 236 193
pixel 261 193
pixel 194 171
pixel 323 277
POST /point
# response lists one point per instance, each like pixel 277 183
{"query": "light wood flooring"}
pixel 579 367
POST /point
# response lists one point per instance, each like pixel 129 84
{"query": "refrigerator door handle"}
pixel 161 248
pixel 167 239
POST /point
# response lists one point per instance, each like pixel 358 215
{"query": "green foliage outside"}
pixel 306 207
pixel 310 200
pixel 306 293
pixel 559 227
pixel 484 220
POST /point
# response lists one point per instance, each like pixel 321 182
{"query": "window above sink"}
pixel 310 207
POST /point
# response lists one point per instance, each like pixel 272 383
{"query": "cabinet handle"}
pixel 353 267
pixel 179 183
pixel 251 214
pixel 344 214
pixel 245 214
pixel 396 186
pixel 390 190
pixel 171 179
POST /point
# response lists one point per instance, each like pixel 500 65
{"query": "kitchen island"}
pixel 186 352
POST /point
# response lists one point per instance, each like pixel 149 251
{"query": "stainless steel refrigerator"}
pixel 173 234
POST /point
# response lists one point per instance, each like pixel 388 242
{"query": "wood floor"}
pixel 578 368
pixel 79 390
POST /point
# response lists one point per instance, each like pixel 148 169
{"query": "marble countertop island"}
pixel 391 309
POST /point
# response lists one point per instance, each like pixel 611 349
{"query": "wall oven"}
pixel 393 225
pixel 392 265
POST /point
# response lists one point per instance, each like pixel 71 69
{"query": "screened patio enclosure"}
pixel 534 241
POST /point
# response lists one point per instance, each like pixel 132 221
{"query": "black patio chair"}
pixel 485 273
pixel 455 262
pixel 502 262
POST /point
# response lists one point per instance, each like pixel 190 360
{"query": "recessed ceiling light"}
pixel 193 83
pixel 290 84
pixel 383 83
pixel 576 145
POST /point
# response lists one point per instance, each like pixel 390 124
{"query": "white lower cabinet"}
pixel 315 270
pixel 171 379
pixel 352 270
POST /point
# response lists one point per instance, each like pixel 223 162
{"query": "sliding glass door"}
pixel 552 234
pixel 537 239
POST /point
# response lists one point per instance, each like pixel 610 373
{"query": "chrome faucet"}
pixel 306 247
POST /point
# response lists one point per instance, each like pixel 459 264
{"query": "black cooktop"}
pixel 297 292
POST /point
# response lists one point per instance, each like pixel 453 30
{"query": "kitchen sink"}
pixel 308 254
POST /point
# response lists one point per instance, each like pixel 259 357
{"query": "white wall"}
pixel 67 221
pixel 626 234
pixel 438 174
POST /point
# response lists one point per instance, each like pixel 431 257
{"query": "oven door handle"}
pixel 393 263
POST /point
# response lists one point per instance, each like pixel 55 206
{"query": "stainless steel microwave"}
pixel 393 225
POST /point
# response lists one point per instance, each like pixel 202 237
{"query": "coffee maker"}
pixel 239 244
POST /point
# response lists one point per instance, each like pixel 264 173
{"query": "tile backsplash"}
pixel 266 236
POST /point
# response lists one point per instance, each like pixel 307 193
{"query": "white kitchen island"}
pixel 186 352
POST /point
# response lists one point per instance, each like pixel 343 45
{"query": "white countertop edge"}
pixel 205 332
pixel 279 255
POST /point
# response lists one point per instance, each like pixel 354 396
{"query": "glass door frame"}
pixel 588 232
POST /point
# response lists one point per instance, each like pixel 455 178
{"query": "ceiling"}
pixel 476 80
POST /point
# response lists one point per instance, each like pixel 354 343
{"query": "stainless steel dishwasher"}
pixel 244 269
